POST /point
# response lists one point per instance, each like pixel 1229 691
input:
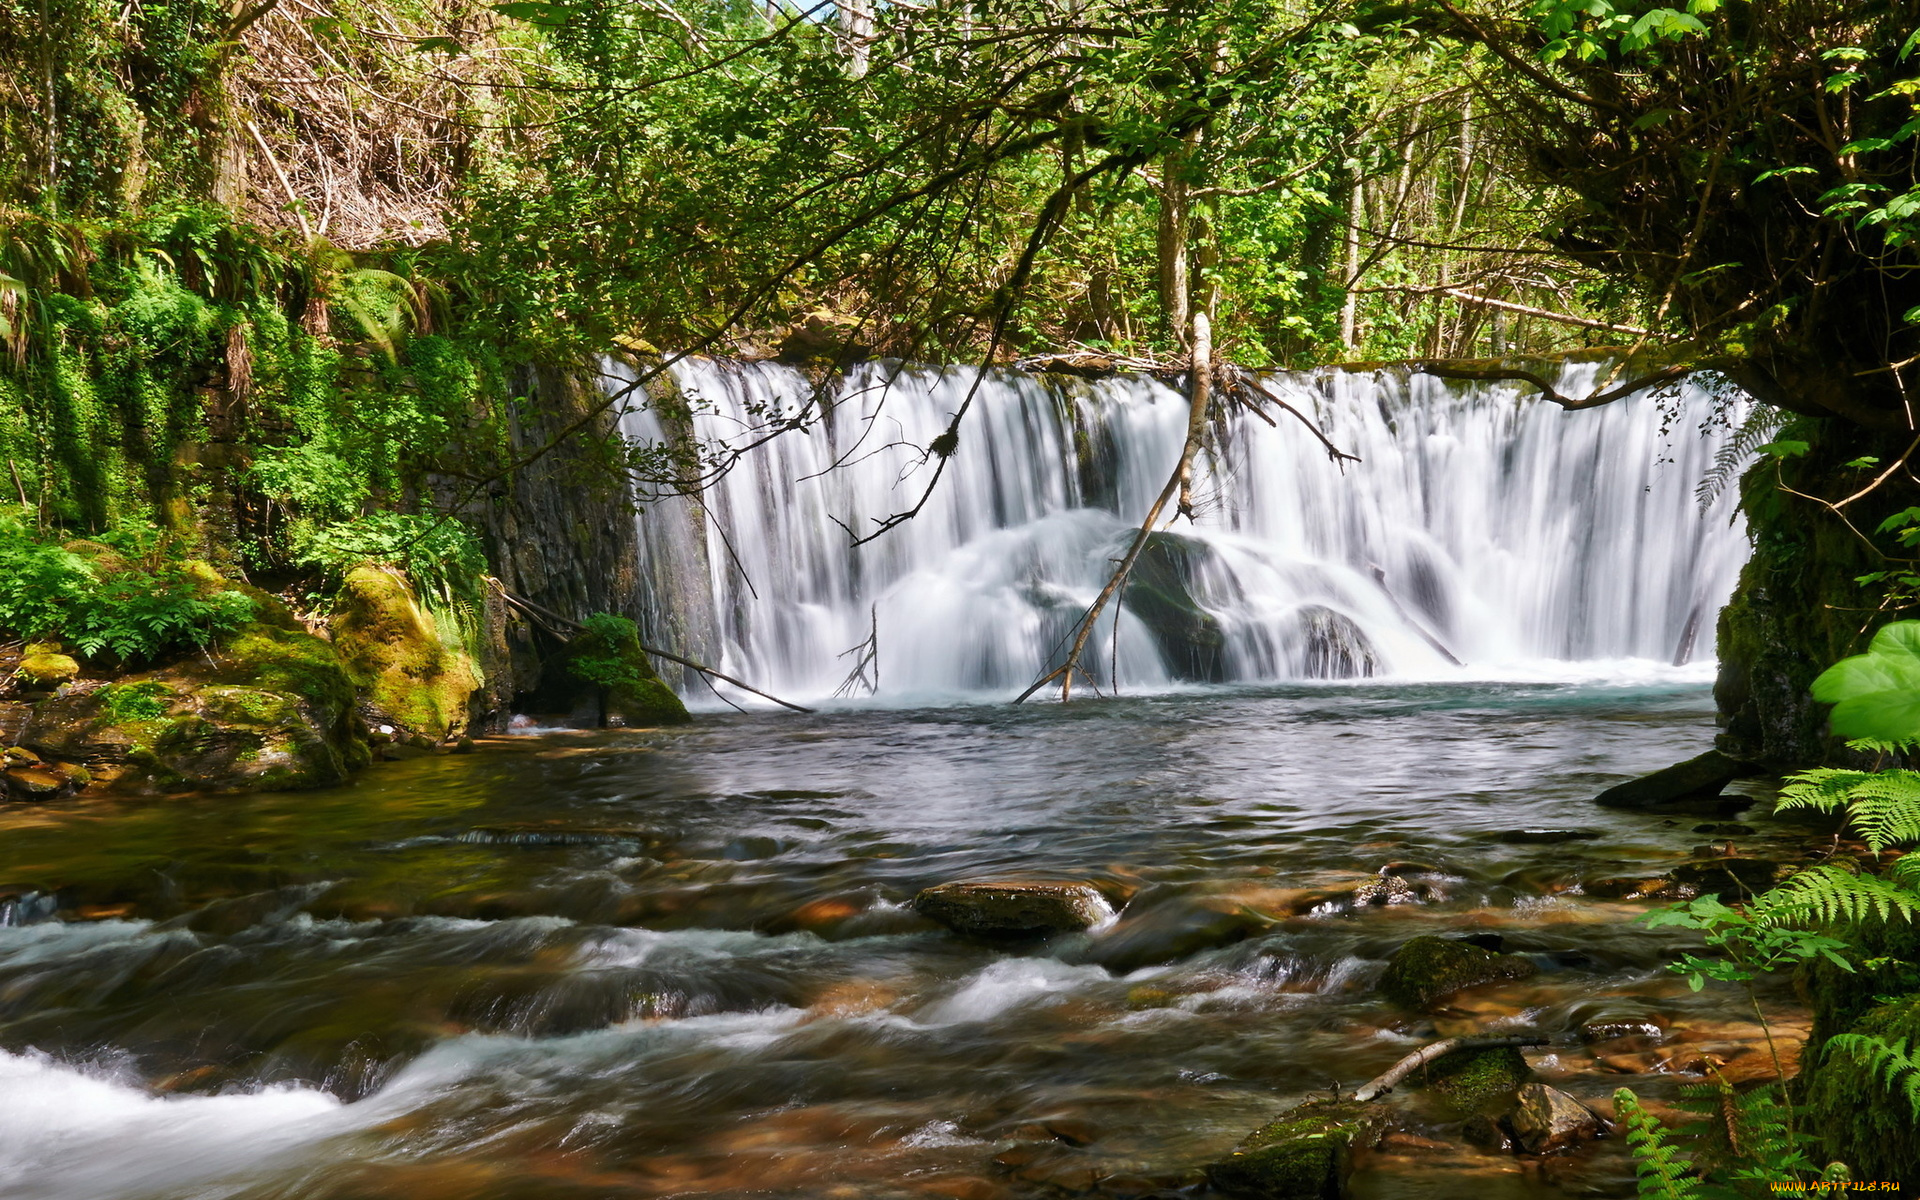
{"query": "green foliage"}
pixel 1893 1064
pixel 440 557
pixel 1659 1169
pixel 602 662
pixel 1876 695
pixel 1751 940
pixel 128 611
pixel 144 701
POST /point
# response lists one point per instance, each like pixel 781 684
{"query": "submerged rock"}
pixel 1548 1121
pixel 1545 837
pixel 1428 969
pixel 1729 878
pixel 1014 907
pixel 1698 780
pixel 1306 1154
pixel 1158 930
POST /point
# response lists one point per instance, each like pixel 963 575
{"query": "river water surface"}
pixel 681 963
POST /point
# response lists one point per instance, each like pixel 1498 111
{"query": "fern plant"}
pixel 1895 1065
pixel 1660 1170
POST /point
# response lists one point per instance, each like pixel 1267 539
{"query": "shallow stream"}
pixel 680 963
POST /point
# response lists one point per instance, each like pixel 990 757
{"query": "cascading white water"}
pixel 1480 523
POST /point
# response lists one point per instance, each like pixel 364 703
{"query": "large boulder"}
pixel 413 668
pixel 1428 969
pixel 1548 1121
pixel 606 655
pixel 1014 908
pixel 1695 782
pixel 275 712
pixel 1160 591
pixel 1305 1154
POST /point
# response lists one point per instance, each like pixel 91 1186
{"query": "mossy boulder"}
pixel 274 712
pixel 1684 785
pixel 414 672
pixel 1306 1154
pixel 1469 1080
pixel 45 670
pixel 606 655
pixel 1427 970
pixel 1859 1119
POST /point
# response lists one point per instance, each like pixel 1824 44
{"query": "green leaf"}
pixel 1784 448
pixel 546 14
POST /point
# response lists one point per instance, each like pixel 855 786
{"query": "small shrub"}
pixel 145 701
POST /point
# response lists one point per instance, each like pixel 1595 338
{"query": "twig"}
pixel 1384 1081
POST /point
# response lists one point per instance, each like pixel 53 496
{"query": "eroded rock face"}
pixel 1014 908
pixel 1427 970
pixel 1548 1121
pixel 1306 1154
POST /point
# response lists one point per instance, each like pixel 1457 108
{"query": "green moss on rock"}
pixel 1428 969
pixel 48 669
pixel 1859 1119
pixel 1467 1080
pixel 1306 1154
pixel 412 671
pixel 606 654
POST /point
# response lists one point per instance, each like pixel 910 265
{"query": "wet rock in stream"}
pixel 1014 908
pixel 1697 782
pixel 1427 970
pixel 1305 1154
pixel 1548 1121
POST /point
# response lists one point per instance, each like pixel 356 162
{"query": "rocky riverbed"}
pixel 972 952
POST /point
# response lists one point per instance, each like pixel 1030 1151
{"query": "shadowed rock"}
pixel 1548 1121
pixel 1428 969
pixel 1697 781
pixel 1013 908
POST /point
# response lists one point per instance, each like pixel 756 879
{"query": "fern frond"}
pixel 1822 789
pixel 1894 1065
pixel 1885 809
pixel 1829 895
pixel 1761 423
pixel 1661 1172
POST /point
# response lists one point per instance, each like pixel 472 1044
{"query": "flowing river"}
pixel 684 963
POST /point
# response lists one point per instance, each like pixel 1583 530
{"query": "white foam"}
pixel 68 1134
pixel 1007 984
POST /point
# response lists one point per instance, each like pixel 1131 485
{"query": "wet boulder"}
pixel 1428 969
pixel 45 668
pixel 413 669
pixel 1305 1154
pixel 1695 782
pixel 1014 908
pixel 1548 1121
pixel 1160 591
pixel 1160 929
pixel 1469 1079
pixel 1334 646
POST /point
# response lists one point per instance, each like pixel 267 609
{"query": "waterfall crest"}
pixel 1481 525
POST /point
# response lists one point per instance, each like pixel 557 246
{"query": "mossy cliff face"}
pixel 413 673
pixel 1799 606
pixel 274 711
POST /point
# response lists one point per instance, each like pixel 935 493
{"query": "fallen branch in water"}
pixel 1384 1081
pixel 550 618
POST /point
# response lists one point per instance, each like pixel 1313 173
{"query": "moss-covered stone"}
pixel 1428 969
pixel 1468 1080
pixel 606 655
pixel 1306 1154
pixel 1859 1120
pixel 46 670
pixel 414 674
pixel 275 711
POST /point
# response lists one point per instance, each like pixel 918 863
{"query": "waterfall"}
pixel 1482 524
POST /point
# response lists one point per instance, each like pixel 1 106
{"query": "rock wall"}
pixel 1800 606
